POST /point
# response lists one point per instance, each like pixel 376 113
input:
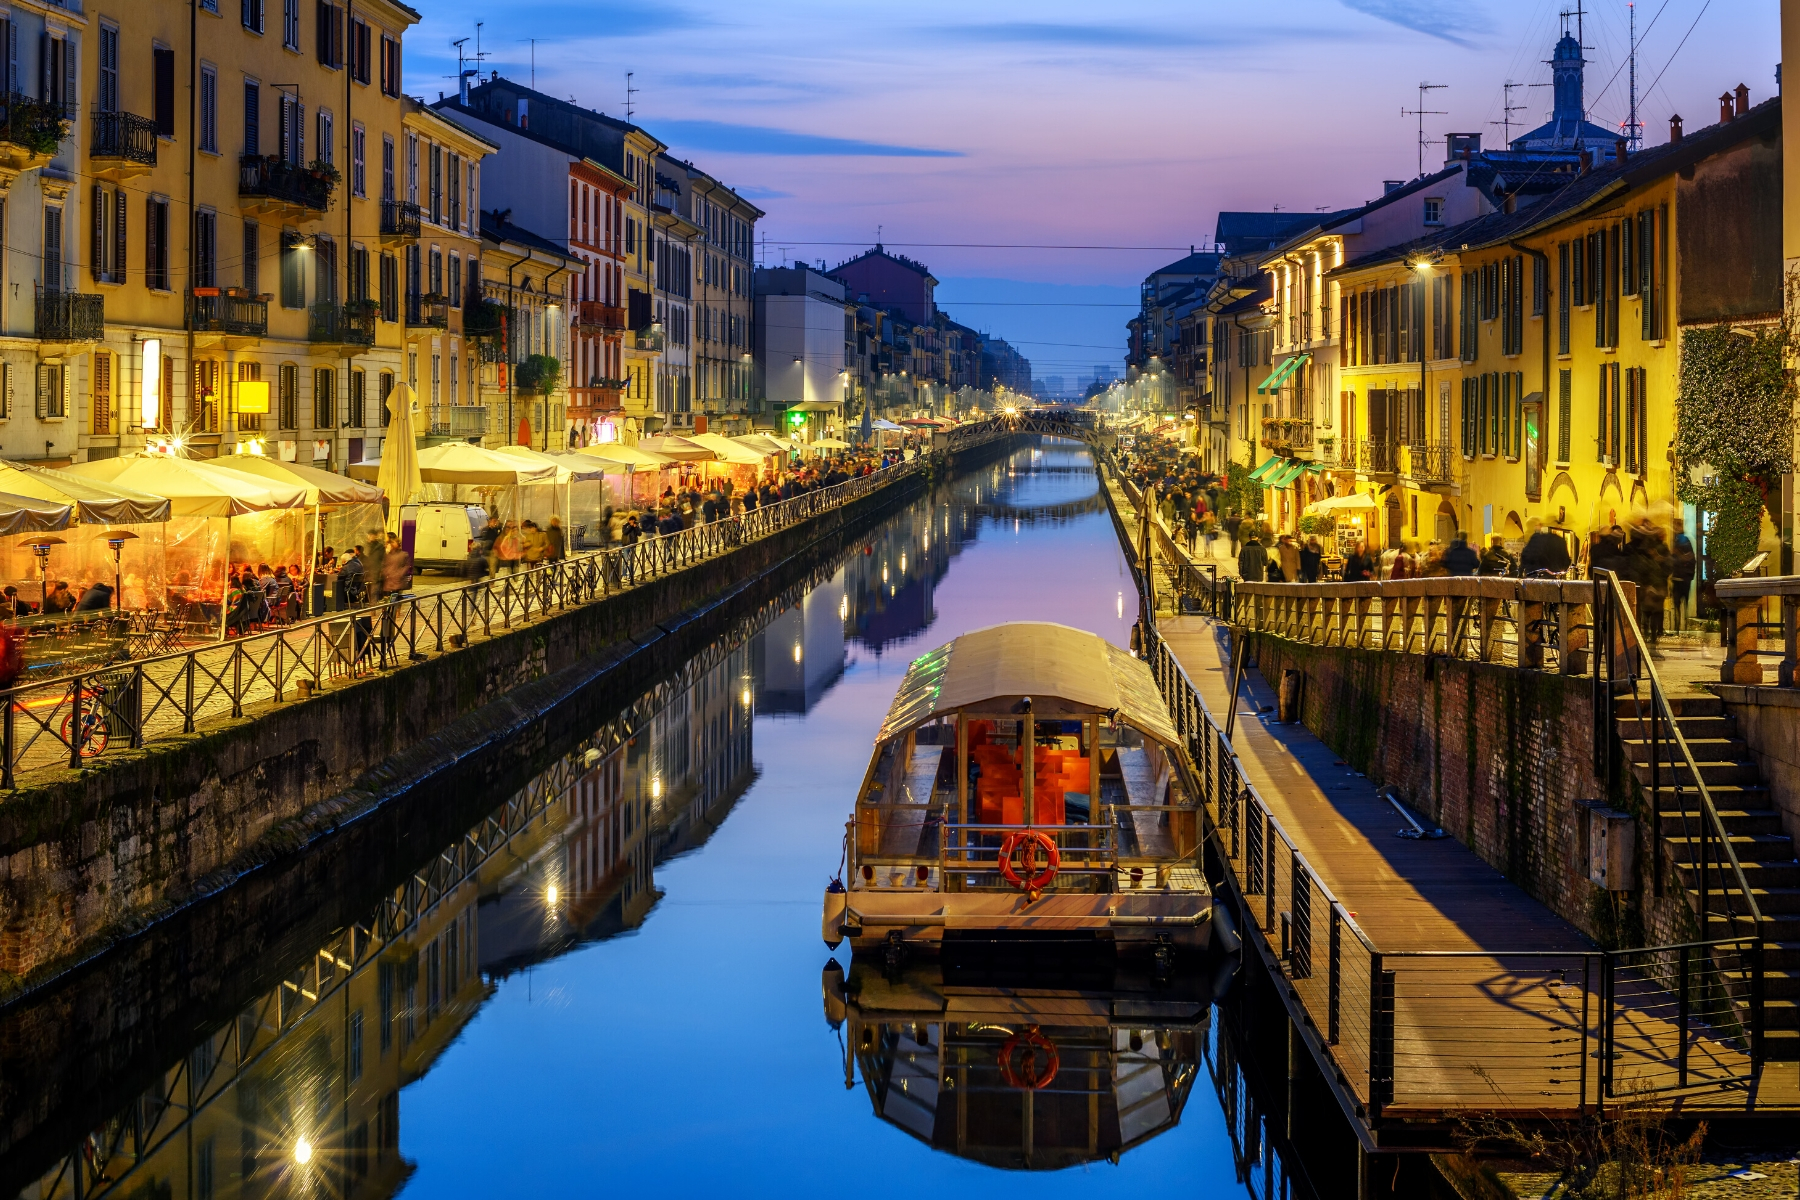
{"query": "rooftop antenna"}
pixel 533 42
pixel 878 237
pixel 1578 12
pixel 464 72
pixel 1507 109
pixel 1422 112
pixel 1634 132
pixel 630 96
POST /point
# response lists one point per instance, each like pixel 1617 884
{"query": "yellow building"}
pixel 527 277
pixel 1525 365
pixel 231 167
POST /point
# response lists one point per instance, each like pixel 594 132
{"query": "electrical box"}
pixel 1611 838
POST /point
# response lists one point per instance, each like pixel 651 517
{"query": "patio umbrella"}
pixel 729 449
pixel 29 514
pixel 96 503
pixel 675 446
pixel 398 475
pixel 868 425
pixel 322 487
pixel 627 456
pixel 460 462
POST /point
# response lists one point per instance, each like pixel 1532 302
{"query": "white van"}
pixel 444 535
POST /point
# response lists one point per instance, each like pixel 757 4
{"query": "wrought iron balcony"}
pixel 596 317
pixel 459 421
pixel 274 179
pixel 1287 433
pixel 399 219
pixel 123 137
pixel 344 324
pixel 213 311
pixel 651 338
pixel 1378 458
pixel 33 129
pixel 71 317
pixel 1431 463
pixel 428 311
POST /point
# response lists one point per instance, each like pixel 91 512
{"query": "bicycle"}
pixel 94 733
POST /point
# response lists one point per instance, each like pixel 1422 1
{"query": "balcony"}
pixel 429 311
pixel 31 131
pixel 600 396
pixel 70 317
pixel 650 339
pixel 1427 463
pixel 595 317
pixel 1378 458
pixel 273 185
pixel 123 145
pixel 459 421
pixel 348 325
pixel 399 219
pixel 231 312
pixel 1287 434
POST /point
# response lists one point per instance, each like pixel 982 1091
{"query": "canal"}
pixel 614 981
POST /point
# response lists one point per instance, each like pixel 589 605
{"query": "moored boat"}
pixel 945 854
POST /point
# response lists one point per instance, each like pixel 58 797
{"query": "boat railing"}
pixel 1084 849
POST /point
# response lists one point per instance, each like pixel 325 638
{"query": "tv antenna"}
pixel 1634 131
pixel 1507 109
pixel 1578 12
pixel 630 96
pixel 463 70
pixel 1422 112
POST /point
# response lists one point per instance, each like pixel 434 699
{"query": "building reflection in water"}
pixel 300 1094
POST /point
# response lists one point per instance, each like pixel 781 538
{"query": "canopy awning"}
pixel 992 669
pixel 566 471
pixel 882 423
pixel 1271 465
pixel 1286 475
pixel 323 488
pixel 730 450
pixel 32 514
pixel 96 503
pixel 829 444
pixel 1355 502
pixel 461 462
pixel 194 489
pixel 819 406
pixel 628 457
pixel 1280 375
pixel 762 443
pixel 676 447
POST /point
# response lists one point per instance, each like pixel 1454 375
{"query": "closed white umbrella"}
pixel 399 473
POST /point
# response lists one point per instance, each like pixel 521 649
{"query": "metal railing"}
pixel 1431 462
pixel 343 324
pixel 1378 458
pixel 74 717
pixel 124 135
pixel 39 126
pixel 224 313
pixel 70 316
pixel 400 218
pixel 274 178
pixel 606 318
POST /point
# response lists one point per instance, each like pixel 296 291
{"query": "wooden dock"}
pixel 1434 991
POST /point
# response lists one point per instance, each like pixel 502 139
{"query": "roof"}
pixel 1582 193
pixel 497 228
pixel 1065 672
pixel 911 264
pixel 1202 262
pixel 1237 230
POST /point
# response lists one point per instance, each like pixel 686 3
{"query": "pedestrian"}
pixel 1460 558
pixel 1288 554
pixel 533 546
pixel 374 552
pixel 396 568
pixel 1681 573
pixel 1649 556
pixel 1406 562
pixel 555 544
pixel 1252 560
pixel 1544 552
pixel 509 547
pixel 1495 560
pixel 1358 566
pixel 1312 555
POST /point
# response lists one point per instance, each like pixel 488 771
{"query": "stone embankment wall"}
pixel 1768 719
pixel 1500 758
pixel 91 855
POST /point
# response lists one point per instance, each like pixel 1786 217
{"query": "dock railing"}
pixel 1418 1030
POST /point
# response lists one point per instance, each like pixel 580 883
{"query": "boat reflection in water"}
pixel 1032 1079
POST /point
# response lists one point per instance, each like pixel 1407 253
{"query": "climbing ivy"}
pixel 1735 419
pixel 1243 494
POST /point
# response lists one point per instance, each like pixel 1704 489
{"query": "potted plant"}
pixel 539 373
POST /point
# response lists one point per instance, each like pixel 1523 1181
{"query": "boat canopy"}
pixel 992 669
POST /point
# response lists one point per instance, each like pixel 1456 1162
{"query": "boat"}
pixel 942 855
pixel 1032 1079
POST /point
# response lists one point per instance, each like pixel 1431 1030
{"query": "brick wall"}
pixel 1499 757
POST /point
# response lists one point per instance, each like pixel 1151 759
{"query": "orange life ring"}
pixel 1026 1074
pixel 1026 875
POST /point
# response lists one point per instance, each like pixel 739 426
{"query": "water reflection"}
pixel 547 1019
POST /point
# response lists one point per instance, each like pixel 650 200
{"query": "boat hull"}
pixel 1133 924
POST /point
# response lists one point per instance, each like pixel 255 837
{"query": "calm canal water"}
pixel 616 987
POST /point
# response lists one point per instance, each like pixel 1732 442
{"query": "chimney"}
pixel 1392 185
pixel 1674 129
pixel 1619 152
pixel 1742 95
pixel 1725 108
pixel 1586 158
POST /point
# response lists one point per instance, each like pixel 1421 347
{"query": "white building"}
pixel 800 338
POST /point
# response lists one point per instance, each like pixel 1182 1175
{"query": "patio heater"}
pixel 116 539
pixel 41 548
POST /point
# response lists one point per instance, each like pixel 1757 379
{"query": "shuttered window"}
pixel 252 117
pixel 330 34
pixel 1565 403
pixel 206 248
pixel 251 13
pixel 163 90
pixel 290 24
pixel 252 258
pixel 100 410
pixel 52 391
pixel 108 98
pixel 324 399
pixel 209 110
pixel 53 248
pixel 390 66
pixel 288 396
pixel 1563 287
pixel 156 244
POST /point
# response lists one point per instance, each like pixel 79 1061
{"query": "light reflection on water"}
pixel 615 982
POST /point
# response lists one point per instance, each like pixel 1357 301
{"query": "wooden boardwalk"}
pixel 1495 999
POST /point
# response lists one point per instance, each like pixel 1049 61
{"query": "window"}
pixel 358 162
pixel 1653 284
pixel 209 110
pixel 206 248
pixel 108 249
pixel 1628 274
pixel 1540 285
pixel 293 271
pixel 437 185
pixel 387 167
pixel 412 168
pixel 327 142
pixel 330 34
pixel 358 394
pixel 162 64
pixel 1434 212
pixel 108 99
pixel 325 269
pixel 205 1173
pixel 292 148
pixel 1606 443
pixel 156 244
pixel 359 51
pixel 1564 287
pixel 52 391
pixel 390 66
pixel 287 397
pixel 1565 403
pixel 252 255
pixel 387 389
pixel 252 117
pixel 290 24
pixel 454 210
pixel 455 281
pixel 436 278
pixel 56 72
pixel 252 15
pixel 100 410
pixel 390 288
pixel 324 399
pixel 356 1045
pixel 249 372
pixel 359 273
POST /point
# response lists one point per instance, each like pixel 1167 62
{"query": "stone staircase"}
pixel 1753 826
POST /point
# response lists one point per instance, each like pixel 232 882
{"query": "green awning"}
pixel 1287 477
pixel 1273 463
pixel 1281 373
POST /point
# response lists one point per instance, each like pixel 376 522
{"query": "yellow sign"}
pixel 253 396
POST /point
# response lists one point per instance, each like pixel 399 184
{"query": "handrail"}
pixel 1659 699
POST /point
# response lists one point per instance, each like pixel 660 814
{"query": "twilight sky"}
pixel 1125 125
